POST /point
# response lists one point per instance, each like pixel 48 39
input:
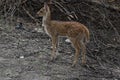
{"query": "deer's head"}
pixel 42 12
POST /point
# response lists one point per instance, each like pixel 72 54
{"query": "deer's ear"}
pixel 45 6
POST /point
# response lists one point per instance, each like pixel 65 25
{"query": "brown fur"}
pixel 75 31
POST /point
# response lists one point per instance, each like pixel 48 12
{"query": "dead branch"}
pixel 102 3
pixel 64 10
pixel 28 13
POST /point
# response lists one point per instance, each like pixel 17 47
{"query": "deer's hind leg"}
pixel 76 45
pixel 83 47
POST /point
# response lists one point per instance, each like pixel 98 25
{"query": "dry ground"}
pixel 25 55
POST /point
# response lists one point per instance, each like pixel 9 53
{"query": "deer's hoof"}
pixel 74 64
pixel 53 59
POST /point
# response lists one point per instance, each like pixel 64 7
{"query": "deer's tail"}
pixel 87 36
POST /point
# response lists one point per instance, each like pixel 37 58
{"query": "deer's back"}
pixel 68 28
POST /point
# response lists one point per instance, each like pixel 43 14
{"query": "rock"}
pixel 21 57
pixel 67 40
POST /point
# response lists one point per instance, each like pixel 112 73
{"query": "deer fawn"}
pixel 75 31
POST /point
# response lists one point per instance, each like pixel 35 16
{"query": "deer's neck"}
pixel 46 19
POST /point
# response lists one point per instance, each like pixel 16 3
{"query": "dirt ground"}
pixel 25 55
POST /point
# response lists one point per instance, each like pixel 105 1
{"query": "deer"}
pixel 77 33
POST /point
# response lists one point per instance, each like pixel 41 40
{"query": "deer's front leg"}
pixel 54 47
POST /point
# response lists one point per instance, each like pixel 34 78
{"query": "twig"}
pixel 66 11
pixel 63 9
pixel 116 32
pixel 24 2
pixel 29 14
pixel 101 3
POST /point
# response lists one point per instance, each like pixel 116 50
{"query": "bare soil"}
pixel 25 55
